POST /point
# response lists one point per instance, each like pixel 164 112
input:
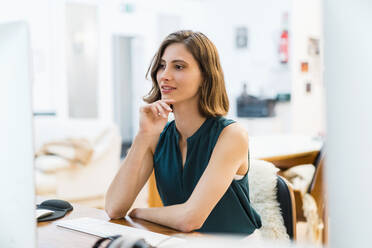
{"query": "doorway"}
pixel 123 87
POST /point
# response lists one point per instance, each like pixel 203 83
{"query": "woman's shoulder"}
pixel 223 121
pixel 234 131
pixel 230 125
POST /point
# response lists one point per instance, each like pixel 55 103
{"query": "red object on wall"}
pixel 283 43
pixel 283 47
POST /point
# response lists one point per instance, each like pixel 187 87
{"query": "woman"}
pixel 200 159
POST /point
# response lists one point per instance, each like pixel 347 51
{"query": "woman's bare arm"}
pixel 138 165
pixel 131 177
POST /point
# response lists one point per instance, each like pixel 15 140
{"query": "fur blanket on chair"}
pixel 262 180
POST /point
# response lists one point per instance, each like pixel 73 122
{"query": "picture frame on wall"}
pixel 241 37
pixel 313 47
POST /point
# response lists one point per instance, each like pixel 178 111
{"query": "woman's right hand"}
pixel 154 116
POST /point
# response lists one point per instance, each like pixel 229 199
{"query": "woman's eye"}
pixel 161 66
pixel 179 67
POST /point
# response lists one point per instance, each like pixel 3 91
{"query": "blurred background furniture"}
pixel 83 181
pixel 272 197
pixel 287 204
pixel 311 198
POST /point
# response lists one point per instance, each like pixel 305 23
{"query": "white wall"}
pixel 149 22
pixel 37 14
pixel 348 80
pixel 82 59
pixel 308 116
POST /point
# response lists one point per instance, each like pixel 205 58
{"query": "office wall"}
pixel 82 59
pixel 37 14
pixel 308 109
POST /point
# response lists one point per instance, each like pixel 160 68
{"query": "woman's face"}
pixel 178 75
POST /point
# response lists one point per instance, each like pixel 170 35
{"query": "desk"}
pixel 285 150
pixel 52 236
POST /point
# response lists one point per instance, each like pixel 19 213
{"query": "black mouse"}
pixel 56 204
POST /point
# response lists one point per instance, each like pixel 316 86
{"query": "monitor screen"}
pixel 17 190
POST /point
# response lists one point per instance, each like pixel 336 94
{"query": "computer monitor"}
pixel 17 190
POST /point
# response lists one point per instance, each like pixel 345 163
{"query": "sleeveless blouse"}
pixel 233 213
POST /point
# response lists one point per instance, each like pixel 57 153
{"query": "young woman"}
pixel 200 159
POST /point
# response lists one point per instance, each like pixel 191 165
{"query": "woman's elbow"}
pixel 114 213
pixel 190 224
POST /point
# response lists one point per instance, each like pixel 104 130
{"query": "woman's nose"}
pixel 165 75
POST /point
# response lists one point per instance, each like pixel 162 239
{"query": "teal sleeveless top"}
pixel 233 213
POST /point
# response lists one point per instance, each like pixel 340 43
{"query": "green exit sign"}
pixel 127 8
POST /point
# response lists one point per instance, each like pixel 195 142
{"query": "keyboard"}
pixel 101 228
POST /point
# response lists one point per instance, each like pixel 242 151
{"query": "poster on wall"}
pixel 313 47
pixel 241 37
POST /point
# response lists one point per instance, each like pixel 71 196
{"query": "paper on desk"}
pixel 103 228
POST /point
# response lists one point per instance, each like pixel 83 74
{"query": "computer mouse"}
pixel 56 204
pixel 40 213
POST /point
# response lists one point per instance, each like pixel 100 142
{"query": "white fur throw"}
pixel 262 179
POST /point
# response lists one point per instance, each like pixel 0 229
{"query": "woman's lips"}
pixel 167 89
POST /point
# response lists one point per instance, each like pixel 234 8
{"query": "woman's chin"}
pixel 165 97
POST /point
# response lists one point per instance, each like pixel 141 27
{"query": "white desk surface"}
pixel 264 146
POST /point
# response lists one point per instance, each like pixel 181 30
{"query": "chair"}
pixel 272 197
pixel 311 204
pixel 318 191
pixel 286 200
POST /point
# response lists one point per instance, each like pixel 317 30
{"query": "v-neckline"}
pixel 179 147
pixel 188 140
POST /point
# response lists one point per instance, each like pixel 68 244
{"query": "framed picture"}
pixel 304 67
pixel 241 37
pixel 313 47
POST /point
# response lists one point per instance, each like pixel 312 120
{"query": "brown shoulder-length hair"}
pixel 213 97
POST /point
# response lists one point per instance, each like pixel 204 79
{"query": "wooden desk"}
pixel 285 150
pixel 287 161
pixel 52 236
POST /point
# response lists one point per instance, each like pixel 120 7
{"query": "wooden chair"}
pixel 317 188
pixel 154 197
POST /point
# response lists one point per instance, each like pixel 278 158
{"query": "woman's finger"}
pixel 165 106
pixel 146 108
pixel 154 110
pixel 161 110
